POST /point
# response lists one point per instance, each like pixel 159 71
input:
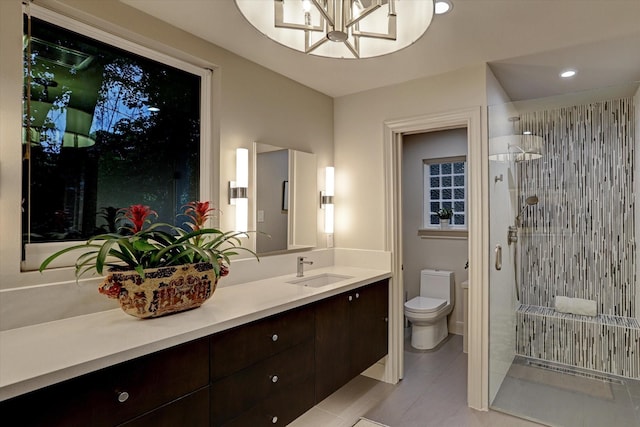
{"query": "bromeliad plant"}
pixel 142 243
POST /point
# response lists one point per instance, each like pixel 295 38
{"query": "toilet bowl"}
pixel 428 312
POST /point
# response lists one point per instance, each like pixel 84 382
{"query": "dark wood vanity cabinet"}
pixel 263 373
pixel 171 382
pixel 351 335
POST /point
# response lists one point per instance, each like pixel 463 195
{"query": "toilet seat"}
pixel 424 305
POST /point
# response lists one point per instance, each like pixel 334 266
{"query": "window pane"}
pixel 435 194
pixel 434 219
pixel 446 181
pixel 446 205
pixel 446 168
pixel 459 193
pixel 434 169
pixel 435 182
pixel 435 206
pixel 458 219
pixel 446 194
pixel 458 180
pixel 458 206
pixel 108 129
pixel 458 167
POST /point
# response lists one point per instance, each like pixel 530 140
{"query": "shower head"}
pixel 529 201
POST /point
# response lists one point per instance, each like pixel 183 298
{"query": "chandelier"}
pixel 340 28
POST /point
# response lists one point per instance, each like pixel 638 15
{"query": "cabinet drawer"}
pixel 279 409
pixel 241 391
pixel 93 399
pixel 243 346
pixel 191 410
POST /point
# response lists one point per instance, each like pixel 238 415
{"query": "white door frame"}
pixel 477 154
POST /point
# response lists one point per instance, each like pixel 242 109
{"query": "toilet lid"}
pixel 425 304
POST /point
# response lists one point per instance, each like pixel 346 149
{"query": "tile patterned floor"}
pixel 433 393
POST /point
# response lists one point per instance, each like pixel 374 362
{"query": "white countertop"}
pixel 36 356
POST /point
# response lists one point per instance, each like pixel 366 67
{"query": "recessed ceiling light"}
pixel 567 73
pixel 443 6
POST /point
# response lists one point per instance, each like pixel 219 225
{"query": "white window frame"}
pixel 426 195
pixel 35 253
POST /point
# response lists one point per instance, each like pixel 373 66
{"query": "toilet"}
pixel 428 312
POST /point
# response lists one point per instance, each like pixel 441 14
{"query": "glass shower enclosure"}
pixel 564 216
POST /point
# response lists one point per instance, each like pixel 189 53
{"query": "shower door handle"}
pixel 498 252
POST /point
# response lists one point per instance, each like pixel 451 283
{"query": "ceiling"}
pixel 526 43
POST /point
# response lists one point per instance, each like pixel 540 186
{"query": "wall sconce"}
pixel 326 199
pixel 238 189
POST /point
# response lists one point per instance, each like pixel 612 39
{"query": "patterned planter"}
pixel 164 290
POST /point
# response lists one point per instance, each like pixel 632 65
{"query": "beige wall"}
pixel 251 104
pixel 358 119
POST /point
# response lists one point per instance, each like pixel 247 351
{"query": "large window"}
pixel 107 128
pixel 445 188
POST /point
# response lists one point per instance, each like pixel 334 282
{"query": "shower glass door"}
pixel 564 301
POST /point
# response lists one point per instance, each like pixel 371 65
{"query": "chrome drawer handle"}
pixel 357 295
pixel 274 420
pixel 274 337
pixel 274 379
pixel 350 298
pixel 123 396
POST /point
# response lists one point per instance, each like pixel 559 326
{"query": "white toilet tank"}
pixel 437 284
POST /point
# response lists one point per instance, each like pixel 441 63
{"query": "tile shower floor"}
pixel 433 393
pixel 565 397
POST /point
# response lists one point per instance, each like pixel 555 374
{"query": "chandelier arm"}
pixel 310 48
pixel 326 14
pixel 391 33
pixel 364 13
pixel 278 19
pixel 354 49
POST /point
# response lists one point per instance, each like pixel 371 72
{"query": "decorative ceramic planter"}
pixel 164 290
pixel 444 223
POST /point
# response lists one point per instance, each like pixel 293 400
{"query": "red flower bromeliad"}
pixel 198 212
pixel 138 215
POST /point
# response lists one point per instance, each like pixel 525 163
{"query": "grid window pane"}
pixel 446 189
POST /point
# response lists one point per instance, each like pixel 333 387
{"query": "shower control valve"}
pixel 512 234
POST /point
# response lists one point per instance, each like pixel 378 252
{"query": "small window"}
pixel 445 184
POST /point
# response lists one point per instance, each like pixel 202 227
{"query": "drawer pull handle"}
pixel 274 420
pixel 274 337
pixel 123 396
pixel 357 295
pixel 350 298
pixel 274 379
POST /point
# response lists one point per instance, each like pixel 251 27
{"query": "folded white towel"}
pixel 581 306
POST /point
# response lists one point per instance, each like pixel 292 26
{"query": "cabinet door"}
pixel 332 345
pixel 368 325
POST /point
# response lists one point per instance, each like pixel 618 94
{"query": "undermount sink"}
pixel 319 280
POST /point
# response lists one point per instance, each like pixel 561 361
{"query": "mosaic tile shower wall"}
pixel 578 241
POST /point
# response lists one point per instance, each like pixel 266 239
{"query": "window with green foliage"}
pixel 445 183
pixel 103 129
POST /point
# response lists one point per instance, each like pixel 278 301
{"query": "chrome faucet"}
pixel 301 263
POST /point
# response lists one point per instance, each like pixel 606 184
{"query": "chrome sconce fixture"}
pixel 326 198
pixel 238 189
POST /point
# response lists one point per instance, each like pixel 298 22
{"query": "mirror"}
pixel 286 196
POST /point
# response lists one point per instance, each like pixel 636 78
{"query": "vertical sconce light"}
pixel 326 199
pixel 238 189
